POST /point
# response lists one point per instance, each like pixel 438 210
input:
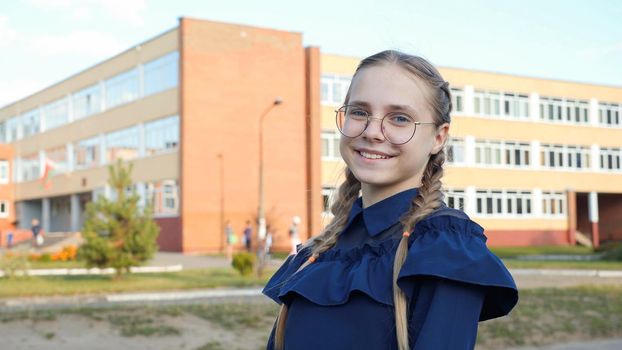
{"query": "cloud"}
pixel 7 35
pixel 13 90
pixel 128 11
pixel 84 43
pixel 125 11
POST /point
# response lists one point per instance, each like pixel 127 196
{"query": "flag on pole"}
pixel 45 177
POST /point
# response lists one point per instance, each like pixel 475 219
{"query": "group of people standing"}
pixel 265 244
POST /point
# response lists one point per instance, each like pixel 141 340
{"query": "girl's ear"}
pixel 440 138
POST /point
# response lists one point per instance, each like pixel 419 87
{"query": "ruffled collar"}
pixel 382 215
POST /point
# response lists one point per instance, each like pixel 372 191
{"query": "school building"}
pixel 205 108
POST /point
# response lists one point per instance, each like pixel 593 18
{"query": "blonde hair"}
pixel 428 199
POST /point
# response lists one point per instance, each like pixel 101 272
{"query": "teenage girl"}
pixel 395 268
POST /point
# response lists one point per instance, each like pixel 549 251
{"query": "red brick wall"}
pixel 610 216
pixel 526 238
pixel 230 75
pixel 169 239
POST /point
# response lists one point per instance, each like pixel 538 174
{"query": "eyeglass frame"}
pixel 369 117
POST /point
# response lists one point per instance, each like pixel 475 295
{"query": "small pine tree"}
pixel 116 233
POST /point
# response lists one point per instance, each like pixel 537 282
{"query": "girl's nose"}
pixel 373 131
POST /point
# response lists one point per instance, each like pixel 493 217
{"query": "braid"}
pixel 347 194
pixel 427 200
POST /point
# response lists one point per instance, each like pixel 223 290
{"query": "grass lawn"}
pixel 580 265
pixel 549 315
pixel 513 252
pixel 71 285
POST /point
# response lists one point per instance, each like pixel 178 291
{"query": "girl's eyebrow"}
pixel 390 107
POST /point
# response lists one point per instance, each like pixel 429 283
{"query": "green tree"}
pixel 117 232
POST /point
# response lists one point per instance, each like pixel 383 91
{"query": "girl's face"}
pixel 380 90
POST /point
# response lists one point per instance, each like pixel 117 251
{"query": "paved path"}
pixel 609 344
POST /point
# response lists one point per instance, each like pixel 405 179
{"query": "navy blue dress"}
pixel 344 300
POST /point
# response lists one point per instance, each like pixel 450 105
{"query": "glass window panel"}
pixel 87 153
pixel 122 144
pixel 161 74
pixel 161 135
pixel 87 102
pixel 56 114
pixel 122 88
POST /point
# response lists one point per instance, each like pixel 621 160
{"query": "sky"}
pixel 45 41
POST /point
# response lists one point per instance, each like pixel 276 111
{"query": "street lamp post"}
pixel 261 230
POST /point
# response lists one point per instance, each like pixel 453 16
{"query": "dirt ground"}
pixel 194 327
pixel 136 329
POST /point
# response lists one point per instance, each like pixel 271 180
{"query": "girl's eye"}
pixel 357 113
pixel 400 119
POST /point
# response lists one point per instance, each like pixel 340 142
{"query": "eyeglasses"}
pixel 397 127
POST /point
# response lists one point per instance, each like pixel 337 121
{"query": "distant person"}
pixel 268 243
pixel 9 239
pixel 248 235
pixel 231 240
pixel 36 232
pixel 294 236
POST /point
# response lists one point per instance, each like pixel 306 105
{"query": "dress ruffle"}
pixel 443 246
pixel 455 249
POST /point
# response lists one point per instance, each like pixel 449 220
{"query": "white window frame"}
pixel 4 208
pixel 614 119
pixel 332 137
pixel 455 199
pixel 334 83
pixel 503 204
pixel 551 200
pixel 5 169
pixel 616 159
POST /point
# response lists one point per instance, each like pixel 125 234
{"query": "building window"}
pixel 31 122
pixel 515 105
pixel 86 102
pixel 455 151
pixel 333 89
pixel 4 209
pixel 502 153
pixel 163 197
pixel 455 199
pixel 562 156
pixel 56 114
pixel 457 100
pixel 161 74
pixel 330 145
pixel 609 114
pixel 328 198
pixel 502 203
pixel 3 135
pixel 56 159
pixel 122 88
pixel 487 103
pixel 564 110
pixel 161 135
pixel 122 144
pixel 31 167
pixel 610 159
pixel 88 153
pixel 553 204
pixel 13 129
pixel 4 171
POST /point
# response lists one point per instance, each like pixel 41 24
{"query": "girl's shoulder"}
pixel 451 246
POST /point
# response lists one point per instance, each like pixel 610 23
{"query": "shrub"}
pixel 611 251
pixel 11 263
pixel 118 233
pixel 243 263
